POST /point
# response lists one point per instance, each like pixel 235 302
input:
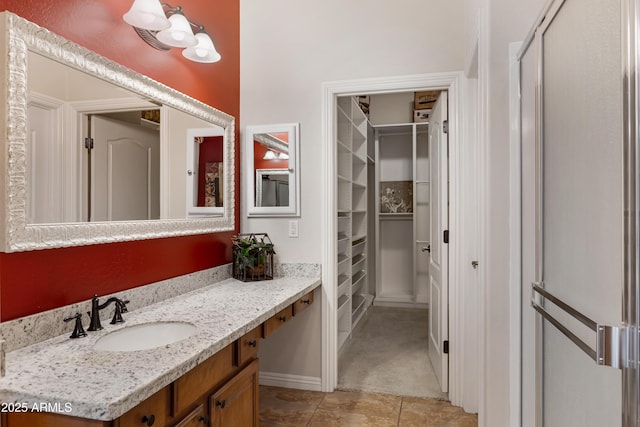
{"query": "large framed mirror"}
pixel 96 153
pixel 272 163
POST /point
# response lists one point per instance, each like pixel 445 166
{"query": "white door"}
pixel 125 171
pixel 574 243
pixel 439 259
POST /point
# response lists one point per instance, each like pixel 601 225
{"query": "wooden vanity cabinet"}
pixel 222 391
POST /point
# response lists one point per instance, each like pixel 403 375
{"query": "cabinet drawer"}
pixel 196 418
pixel 155 408
pixel 247 346
pixel 275 322
pixel 302 303
pixel 201 379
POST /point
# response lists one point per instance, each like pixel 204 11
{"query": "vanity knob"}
pixel 283 318
pixel 252 343
pixel 204 420
pixel 221 403
pixel 306 301
pixel 149 420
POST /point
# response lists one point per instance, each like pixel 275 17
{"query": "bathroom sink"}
pixel 145 336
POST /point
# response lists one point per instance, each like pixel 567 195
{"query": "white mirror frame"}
pixel 293 209
pixel 17 37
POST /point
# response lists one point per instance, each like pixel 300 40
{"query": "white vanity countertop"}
pixel 68 373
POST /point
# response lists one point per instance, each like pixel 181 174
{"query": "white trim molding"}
pixel 298 382
pixel 454 83
pixel 515 237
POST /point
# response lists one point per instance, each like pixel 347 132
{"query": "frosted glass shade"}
pixel 204 51
pixel 269 155
pixel 179 34
pixel 148 15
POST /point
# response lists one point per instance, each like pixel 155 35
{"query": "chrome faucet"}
pixel 120 307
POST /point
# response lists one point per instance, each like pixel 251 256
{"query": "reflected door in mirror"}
pixel 205 171
pixel 124 175
pixel 210 171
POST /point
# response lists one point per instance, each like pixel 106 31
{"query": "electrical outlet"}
pixel 293 228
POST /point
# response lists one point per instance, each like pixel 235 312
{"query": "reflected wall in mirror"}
pixel 272 170
pixel 95 152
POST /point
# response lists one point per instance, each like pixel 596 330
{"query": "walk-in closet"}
pixel 383 243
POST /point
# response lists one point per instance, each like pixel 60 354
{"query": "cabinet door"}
pixel 197 418
pixel 236 403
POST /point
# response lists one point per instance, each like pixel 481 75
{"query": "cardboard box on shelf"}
pixel 424 100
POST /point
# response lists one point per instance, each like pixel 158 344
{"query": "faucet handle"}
pixel 117 313
pixel 78 330
pixel 124 308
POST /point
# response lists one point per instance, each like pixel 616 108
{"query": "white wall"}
pixel 508 21
pixel 288 48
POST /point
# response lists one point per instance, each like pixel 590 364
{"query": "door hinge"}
pixel 88 143
pixel 445 126
pixel 445 236
pixel 445 347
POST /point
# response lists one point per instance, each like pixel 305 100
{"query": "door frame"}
pixel 455 83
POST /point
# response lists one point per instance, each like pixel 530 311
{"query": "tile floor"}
pixel 281 407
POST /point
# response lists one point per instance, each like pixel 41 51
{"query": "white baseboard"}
pixel 399 304
pixel 298 382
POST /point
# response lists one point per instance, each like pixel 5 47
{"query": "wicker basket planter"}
pixel 252 257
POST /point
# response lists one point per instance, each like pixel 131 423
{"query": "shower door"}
pixel 581 237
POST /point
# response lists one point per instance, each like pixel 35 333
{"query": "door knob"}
pixel 426 248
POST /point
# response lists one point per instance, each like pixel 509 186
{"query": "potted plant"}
pixel 252 257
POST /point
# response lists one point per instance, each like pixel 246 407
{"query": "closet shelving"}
pixel 402 237
pixel 353 296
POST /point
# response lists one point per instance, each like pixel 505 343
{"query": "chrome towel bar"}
pixel 609 339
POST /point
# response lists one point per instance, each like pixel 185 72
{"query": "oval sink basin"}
pixel 145 336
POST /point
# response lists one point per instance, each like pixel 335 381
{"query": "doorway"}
pixel 453 82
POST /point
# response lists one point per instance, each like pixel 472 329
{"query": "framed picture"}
pixel 396 196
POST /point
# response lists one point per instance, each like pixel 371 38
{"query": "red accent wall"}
pixel 35 281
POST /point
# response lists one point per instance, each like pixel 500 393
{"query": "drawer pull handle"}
pixel 204 420
pixel 306 301
pixel 149 420
pixel 221 403
pixel 283 318
pixel 252 343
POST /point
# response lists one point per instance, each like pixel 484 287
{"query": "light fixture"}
pixel 147 14
pixel 269 155
pixel 164 26
pixel 180 33
pixel 204 51
pixel 283 156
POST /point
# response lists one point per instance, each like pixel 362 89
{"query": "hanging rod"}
pixel 608 338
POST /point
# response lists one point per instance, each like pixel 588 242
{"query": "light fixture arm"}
pixel 170 10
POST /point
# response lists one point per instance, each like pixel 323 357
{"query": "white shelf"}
pixel 352 169
pixel 396 216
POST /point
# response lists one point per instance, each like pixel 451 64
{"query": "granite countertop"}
pixel 70 375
